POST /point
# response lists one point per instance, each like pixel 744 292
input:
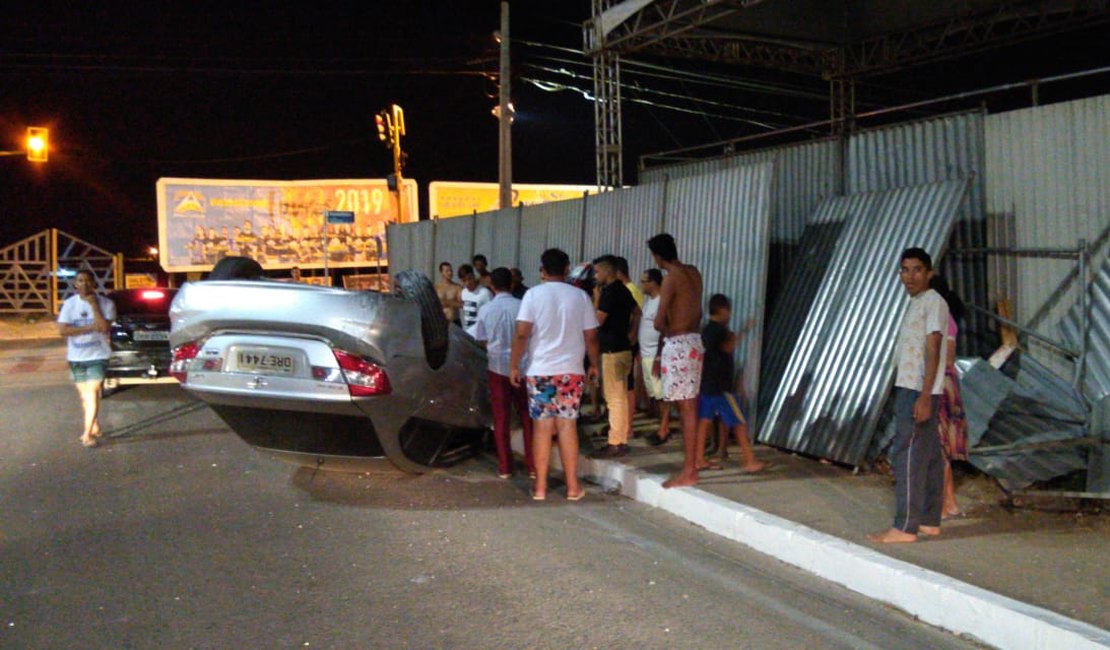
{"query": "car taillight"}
pixel 182 356
pixel 364 378
pixel 153 294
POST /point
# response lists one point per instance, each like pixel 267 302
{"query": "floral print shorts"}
pixel 681 366
pixel 557 396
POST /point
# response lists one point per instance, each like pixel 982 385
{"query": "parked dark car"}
pixel 140 337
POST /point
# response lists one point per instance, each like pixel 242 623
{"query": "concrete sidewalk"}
pixel 1020 578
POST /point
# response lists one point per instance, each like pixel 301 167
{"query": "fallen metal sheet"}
pixel 789 313
pixel 1025 424
pixel 841 370
pixel 1096 381
pixel 721 222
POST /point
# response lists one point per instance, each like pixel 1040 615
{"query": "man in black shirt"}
pixel 618 316
pixel 717 398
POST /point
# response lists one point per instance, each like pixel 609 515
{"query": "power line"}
pixel 663 93
pixel 154 69
pixel 551 86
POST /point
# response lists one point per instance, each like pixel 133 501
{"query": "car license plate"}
pixel 146 335
pixel 264 361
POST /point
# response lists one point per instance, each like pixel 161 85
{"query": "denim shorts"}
pixel 82 371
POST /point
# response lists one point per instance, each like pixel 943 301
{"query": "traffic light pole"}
pixel 398 161
pixel 504 117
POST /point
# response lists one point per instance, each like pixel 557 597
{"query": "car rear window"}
pixel 143 301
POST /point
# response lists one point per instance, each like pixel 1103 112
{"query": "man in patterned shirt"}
pixel 915 453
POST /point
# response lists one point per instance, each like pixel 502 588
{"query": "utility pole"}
pixel 505 118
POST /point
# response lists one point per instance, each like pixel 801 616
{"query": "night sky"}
pixel 137 91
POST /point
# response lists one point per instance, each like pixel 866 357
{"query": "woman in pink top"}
pixel 952 422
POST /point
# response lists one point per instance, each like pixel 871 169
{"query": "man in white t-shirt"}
pixel 473 296
pixel 557 327
pixel 915 454
pixel 85 321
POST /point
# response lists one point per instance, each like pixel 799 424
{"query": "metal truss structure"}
pixel 1009 22
pixel 679 28
pixel 698 29
pixel 607 113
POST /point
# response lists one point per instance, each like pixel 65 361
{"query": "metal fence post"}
pixel 582 230
pixel 54 271
pixel 1084 314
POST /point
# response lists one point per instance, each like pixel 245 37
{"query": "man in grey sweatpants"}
pixel 915 454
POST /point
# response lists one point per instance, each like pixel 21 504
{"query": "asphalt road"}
pixel 174 534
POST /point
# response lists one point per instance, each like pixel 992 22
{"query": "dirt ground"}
pixel 39 326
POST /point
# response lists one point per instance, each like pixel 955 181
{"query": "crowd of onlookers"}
pixel 548 345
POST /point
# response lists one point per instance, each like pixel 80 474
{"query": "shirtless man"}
pixel 681 352
pixel 449 292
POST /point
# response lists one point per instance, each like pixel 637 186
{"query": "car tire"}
pixel 236 268
pixel 108 387
pixel 416 286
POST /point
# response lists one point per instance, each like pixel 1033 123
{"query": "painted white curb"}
pixel 930 596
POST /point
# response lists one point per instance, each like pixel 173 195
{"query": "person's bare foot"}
pixel 682 479
pixel 710 465
pixel 928 531
pixel 892 536
pixel 87 441
pixel 753 466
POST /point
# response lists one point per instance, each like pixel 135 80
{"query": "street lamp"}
pixel 38 143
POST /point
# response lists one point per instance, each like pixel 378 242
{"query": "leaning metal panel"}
pixel 721 223
pixel 788 314
pixel 1096 380
pixel 928 151
pixel 831 394
pixel 805 175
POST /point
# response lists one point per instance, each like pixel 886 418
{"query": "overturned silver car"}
pixel 317 374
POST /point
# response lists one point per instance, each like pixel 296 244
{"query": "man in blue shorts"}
pixel 85 320
pixel 717 398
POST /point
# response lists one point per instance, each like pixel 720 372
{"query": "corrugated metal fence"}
pixel 1048 183
pixel 720 220
pixel 840 371
pixel 937 149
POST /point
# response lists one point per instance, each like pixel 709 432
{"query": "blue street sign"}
pixel 339 216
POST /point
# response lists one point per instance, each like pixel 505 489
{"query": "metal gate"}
pixel 30 270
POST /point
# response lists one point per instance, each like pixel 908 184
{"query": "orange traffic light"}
pixel 38 143
pixel 384 131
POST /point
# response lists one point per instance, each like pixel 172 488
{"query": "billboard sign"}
pixel 278 223
pixel 454 199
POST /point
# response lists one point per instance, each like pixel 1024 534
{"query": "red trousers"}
pixel 502 395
